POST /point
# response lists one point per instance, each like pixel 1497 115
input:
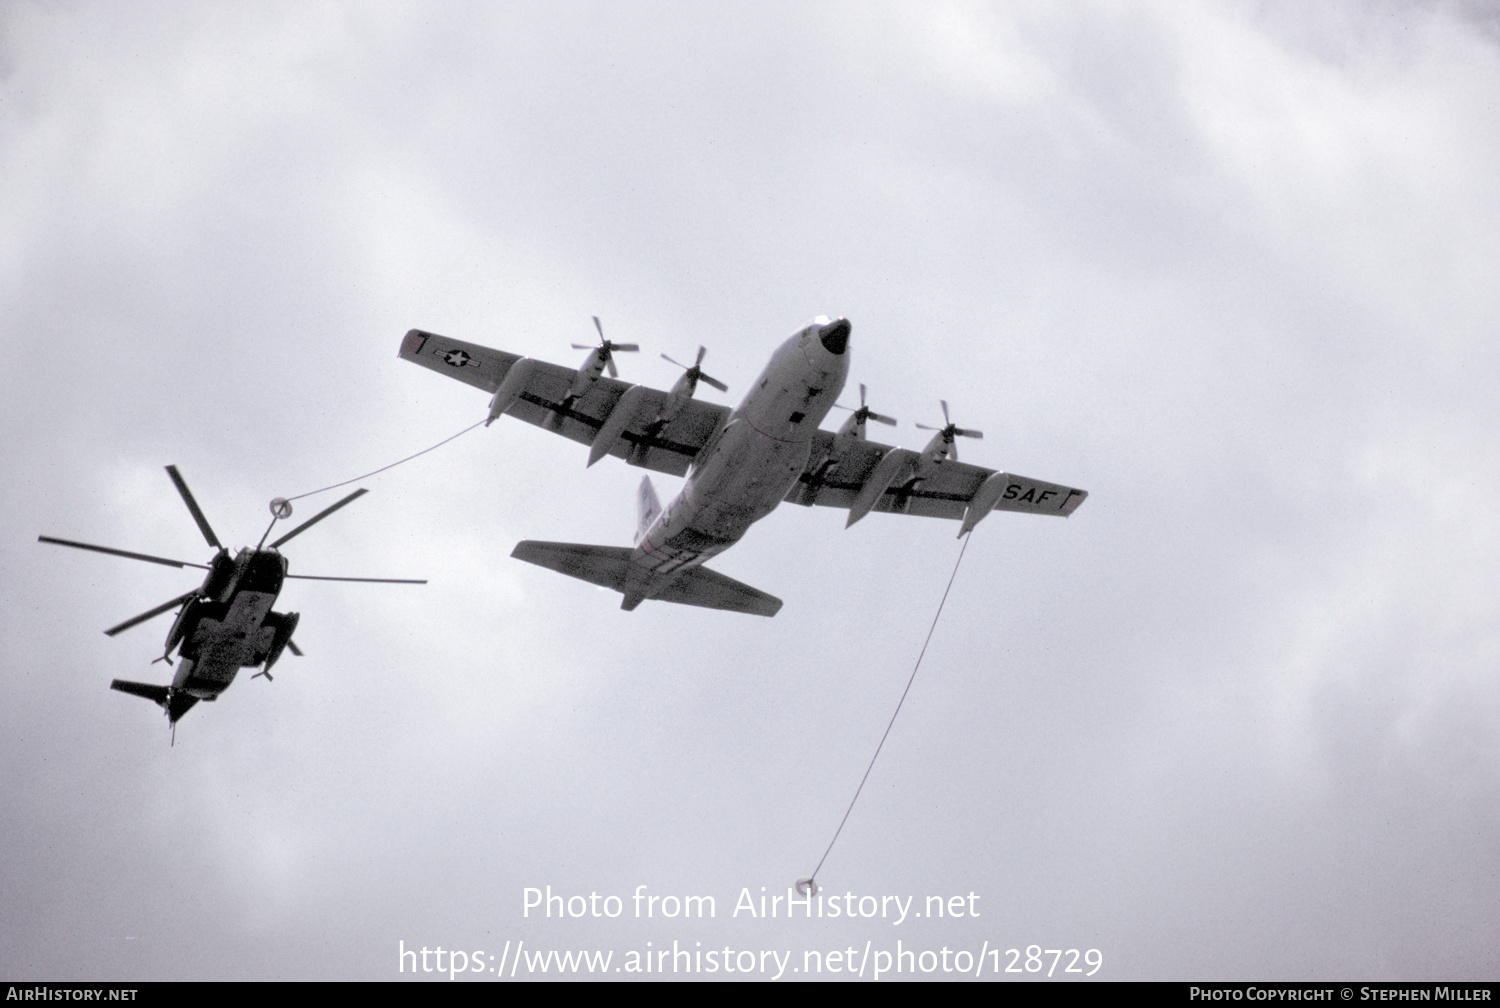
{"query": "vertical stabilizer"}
pixel 647 508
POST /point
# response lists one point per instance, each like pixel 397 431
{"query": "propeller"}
pixel 950 431
pixel 695 373
pixel 607 349
pixel 152 614
pixel 865 413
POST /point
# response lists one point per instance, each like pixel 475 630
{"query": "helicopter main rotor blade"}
pixel 143 617
pixel 318 517
pixel 187 497
pixel 315 577
pixel 124 553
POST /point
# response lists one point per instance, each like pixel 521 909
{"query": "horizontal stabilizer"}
pixel 156 694
pixel 606 566
pixel 712 590
pixel 175 704
pixel 601 565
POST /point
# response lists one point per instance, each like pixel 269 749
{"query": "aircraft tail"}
pixel 647 507
pixel 604 566
pixel 712 590
pixel 175 704
pixel 156 694
pixel 607 567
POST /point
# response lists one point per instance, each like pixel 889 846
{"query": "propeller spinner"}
pixel 943 441
pixel 606 350
pixel 695 373
pixel 856 423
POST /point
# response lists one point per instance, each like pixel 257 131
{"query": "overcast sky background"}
pixel 1230 267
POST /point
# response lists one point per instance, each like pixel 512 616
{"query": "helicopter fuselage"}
pixel 229 624
pixel 225 624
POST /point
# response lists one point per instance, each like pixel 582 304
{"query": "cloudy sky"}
pixel 1228 266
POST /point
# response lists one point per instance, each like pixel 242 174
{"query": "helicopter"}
pixel 226 623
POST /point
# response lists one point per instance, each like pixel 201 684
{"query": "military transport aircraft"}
pixel 740 464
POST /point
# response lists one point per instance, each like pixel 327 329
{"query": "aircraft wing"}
pixel 866 476
pixel 636 438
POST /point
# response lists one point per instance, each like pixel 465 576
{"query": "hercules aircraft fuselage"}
pixel 740 477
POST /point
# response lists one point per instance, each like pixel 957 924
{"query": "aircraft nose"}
pixel 835 336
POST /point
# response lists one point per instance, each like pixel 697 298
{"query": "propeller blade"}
pixel 922 426
pixel 124 553
pixel 293 648
pixel 697 369
pixel 625 347
pixel 315 577
pixel 888 421
pixel 599 327
pixel 580 346
pixel 609 362
pixel 187 497
pixel 968 433
pixel 143 617
pixel 861 395
pixel 318 517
